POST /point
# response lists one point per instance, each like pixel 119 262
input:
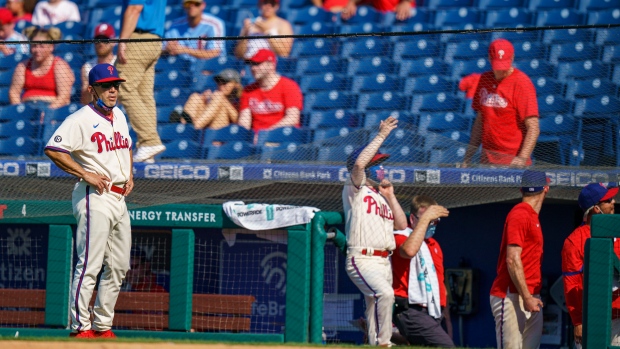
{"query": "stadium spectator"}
pixel 140 277
pixel 401 7
pixel 43 78
pixel 53 12
pixel 213 109
pixel 515 294
pixel 105 54
pixel 196 24
pixel 331 5
pixel 136 64
pixel 21 9
pixel 418 313
pixel 507 120
pixel 594 199
pixel 8 33
pixel 268 23
pixel 273 100
pixel 469 84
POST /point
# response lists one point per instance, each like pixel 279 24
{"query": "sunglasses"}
pixel 107 85
pixel 190 4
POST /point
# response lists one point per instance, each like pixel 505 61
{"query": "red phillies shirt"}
pixel 269 107
pixel 572 271
pixel 504 106
pixel 522 228
pixel 387 5
pixel 328 4
pixel 469 84
pixel 401 266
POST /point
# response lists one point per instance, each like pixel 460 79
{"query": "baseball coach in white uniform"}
pixel 93 144
pixel 371 216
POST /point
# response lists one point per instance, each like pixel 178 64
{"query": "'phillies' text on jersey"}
pixel 120 142
pixel 382 210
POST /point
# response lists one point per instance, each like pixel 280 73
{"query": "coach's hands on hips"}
pixel 128 186
pixel 387 126
pixel 99 182
pixel 532 304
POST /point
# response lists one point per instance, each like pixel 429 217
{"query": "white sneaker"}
pixel 145 153
pixel 149 161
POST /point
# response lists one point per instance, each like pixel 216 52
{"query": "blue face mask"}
pixel 376 173
pixel 102 105
pixel 430 231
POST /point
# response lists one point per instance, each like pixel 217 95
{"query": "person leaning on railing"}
pixel 44 78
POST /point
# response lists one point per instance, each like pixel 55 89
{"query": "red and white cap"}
pixel 6 16
pixel 501 53
pixel 105 29
pixel 263 55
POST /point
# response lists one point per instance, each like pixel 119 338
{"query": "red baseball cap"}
pixel 501 53
pixel 6 16
pixel 105 29
pixel 263 55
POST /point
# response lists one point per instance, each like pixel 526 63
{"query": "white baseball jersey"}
pixel 99 145
pixel 369 221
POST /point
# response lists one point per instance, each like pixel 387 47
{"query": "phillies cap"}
pixel 533 181
pixel 501 53
pixel 106 30
pixel 263 55
pixel 376 160
pixel 6 16
pixel 103 73
pixel 594 193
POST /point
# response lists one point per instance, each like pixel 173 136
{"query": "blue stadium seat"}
pixel 4 96
pixel 609 36
pixel 318 65
pixel 359 48
pixel 71 28
pixel 336 153
pixel 333 118
pixel 219 11
pixel 312 47
pixel 360 28
pixel 536 67
pixel 422 66
pixel 553 104
pixel 529 50
pixel 181 149
pixel 508 18
pixel 9 62
pixel 230 133
pixel 611 54
pixel 578 51
pixel 314 28
pixel 466 50
pixel 560 36
pixel 163 113
pixel 418 15
pixel 228 151
pixel 103 3
pixel 603 17
pixel 428 84
pixel 435 4
pixel 436 102
pixel 590 88
pixel 174 12
pixel 61 49
pixel 171 96
pixel 19 146
pixel 405 154
pixel 558 137
pixel 413 27
pixel 383 101
pixel 406 120
pixel 457 16
pixel 454 136
pixel 339 136
pixel 441 122
pixel 172 78
pixel 598 105
pixel 213 65
pixel 500 4
pixel 582 70
pixel 322 82
pixel 596 5
pixel 168 63
pixel 415 49
pixel 18 112
pixel 462 68
pixel 329 100
pixel 292 4
pixel 375 83
pixel 364 14
pixel 559 17
pixel 537 5
pixel 517 36
pixel 47 131
pixel 6 77
pixel 283 135
pixel 61 113
pixel 243 3
pixel 110 14
pixel 371 65
pixel 172 132
pixel 18 128
pixel 288 152
pixel 201 82
pixel 451 155
pixel 455 37
pixel 309 15
pixel 286 66
pixel 242 13
pixel 75 61
pixel 548 86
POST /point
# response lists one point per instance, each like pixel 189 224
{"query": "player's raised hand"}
pixel 387 126
pixel 386 188
pixel 99 182
pixel 435 211
pixel 532 304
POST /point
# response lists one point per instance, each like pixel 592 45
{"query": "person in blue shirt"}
pixel 196 24
pixel 141 19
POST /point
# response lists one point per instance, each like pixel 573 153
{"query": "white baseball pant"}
pixel 516 328
pixel 103 237
pixel 373 276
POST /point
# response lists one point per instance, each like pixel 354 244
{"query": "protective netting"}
pixel 340 88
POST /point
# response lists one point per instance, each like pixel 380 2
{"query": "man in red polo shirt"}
pixel 418 280
pixel 507 121
pixel 273 101
pixel 594 198
pixel 515 294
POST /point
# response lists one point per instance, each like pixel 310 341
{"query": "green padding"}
pixel 58 276
pixel 298 285
pixel 606 225
pixel 181 280
pixel 598 272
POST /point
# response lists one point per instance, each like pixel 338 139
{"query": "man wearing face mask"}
pixel 594 199
pixel 417 267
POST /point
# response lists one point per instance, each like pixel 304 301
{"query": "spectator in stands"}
pixel 213 109
pixel 105 54
pixel 43 78
pixel 331 5
pixel 268 23
pixel 8 33
pixel 401 7
pixel 469 84
pixel 53 12
pixel 594 199
pixel 273 100
pixel 507 121
pixel 21 9
pixel 419 309
pixel 196 24
pixel 141 277
pixel 136 64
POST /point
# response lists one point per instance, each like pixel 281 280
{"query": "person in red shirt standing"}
pixel 418 281
pixel 507 121
pixel 594 198
pixel 401 7
pixel 273 100
pixel 515 294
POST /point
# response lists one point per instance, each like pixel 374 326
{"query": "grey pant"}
pixel 418 327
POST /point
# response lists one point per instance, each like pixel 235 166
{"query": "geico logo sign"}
pixel 177 172
pixel 393 175
pixel 579 178
pixel 9 169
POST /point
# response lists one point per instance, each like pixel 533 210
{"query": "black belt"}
pixel 418 307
